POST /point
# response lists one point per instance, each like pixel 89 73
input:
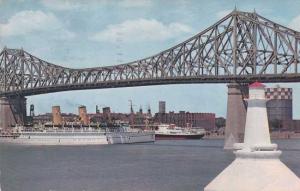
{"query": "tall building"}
pixel 149 111
pixel 161 107
pixel 106 114
pixel 97 109
pixel 280 104
pixel 31 114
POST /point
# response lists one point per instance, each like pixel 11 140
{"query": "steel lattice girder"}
pixel 241 47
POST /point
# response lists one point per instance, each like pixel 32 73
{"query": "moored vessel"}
pixel 77 137
pixel 167 132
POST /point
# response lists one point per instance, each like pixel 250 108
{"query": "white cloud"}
pixel 62 4
pixel 295 23
pixel 141 30
pixel 135 3
pixel 223 13
pixel 26 22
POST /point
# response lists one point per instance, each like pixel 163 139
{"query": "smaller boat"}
pixel 167 132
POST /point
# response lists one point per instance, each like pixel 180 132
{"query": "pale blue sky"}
pixel 107 32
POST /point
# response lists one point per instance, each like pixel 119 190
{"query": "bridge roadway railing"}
pixel 157 81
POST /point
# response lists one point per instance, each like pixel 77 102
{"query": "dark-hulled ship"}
pixel 169 132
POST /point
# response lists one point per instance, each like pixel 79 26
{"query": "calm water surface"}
pixel 163 166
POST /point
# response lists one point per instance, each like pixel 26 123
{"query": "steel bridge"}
pixel 241 47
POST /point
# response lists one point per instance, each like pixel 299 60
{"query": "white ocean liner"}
pixel 77 137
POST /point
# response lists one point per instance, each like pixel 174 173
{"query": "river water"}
pixel 185 165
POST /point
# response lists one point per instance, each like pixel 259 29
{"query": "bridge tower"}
pixel 12 111
pixel 236 114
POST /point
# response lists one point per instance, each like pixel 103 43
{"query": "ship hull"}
pixel 56 141
pixel 130 137
pixel 177 137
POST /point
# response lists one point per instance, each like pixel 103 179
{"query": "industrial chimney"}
pixel 83 115
pixel 56 116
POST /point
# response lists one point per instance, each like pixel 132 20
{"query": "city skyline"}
pixel 136 109
pixel 75 34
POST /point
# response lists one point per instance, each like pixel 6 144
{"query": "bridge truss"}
pixel 241 47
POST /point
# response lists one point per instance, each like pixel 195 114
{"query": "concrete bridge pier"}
pixel 12 111
pixel 236 114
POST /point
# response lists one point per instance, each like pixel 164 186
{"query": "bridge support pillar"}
pixel 236 114
pixel 12 111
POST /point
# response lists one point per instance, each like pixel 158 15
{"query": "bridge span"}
pixel 242 47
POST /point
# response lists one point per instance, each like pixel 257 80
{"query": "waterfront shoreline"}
pixel 274 135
